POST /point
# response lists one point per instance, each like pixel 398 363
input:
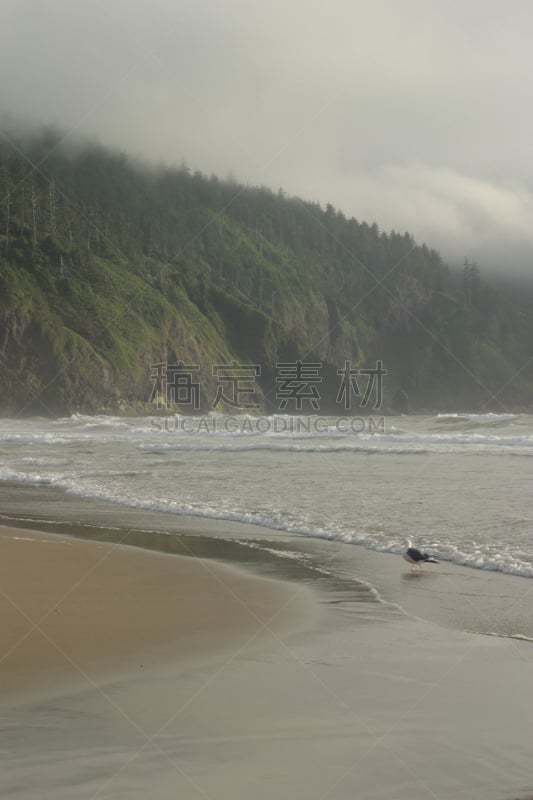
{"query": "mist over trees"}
pixel 107 266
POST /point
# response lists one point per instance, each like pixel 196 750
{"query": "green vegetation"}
pixel 107 268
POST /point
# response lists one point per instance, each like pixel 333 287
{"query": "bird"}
pixel 416 557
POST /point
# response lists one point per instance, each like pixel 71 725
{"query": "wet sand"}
pixel 72 612
pixel 363 700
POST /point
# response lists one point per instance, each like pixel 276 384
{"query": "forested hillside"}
pixel 108 268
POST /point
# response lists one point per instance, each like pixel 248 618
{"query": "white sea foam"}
pixel 500 562
pixel 489 417
pixel 112 459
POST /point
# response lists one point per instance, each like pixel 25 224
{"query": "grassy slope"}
pixel 111 275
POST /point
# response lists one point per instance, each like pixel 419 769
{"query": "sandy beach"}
pixel 72 611
pixel 183 691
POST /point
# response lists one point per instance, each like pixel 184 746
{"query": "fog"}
pixel 415 115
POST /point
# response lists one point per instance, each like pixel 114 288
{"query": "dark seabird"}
pixel 416 557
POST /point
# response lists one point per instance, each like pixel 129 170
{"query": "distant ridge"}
pixel 107 268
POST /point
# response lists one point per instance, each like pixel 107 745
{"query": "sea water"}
pixel 379 701
pixel 458 485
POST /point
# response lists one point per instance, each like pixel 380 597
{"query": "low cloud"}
pixel 458 214
pixel 416 115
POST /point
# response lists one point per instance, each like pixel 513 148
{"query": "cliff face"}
pixel 75 347
pixel 107 270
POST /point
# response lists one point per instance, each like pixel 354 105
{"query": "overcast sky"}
pixel 416 114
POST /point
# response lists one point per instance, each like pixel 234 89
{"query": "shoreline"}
pixel 358 703
pixel 75 612
pixel 454 596
pixel 94 510
pixel 451 595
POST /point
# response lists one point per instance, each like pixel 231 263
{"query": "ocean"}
pixel 326 492
pixel 393 695
pixel 458 485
